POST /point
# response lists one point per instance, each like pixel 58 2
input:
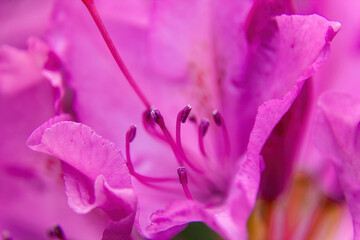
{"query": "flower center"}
pixel 152 117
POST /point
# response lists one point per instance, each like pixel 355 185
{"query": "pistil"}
pixel 99 23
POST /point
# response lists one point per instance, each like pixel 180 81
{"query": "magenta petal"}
pixel 290 50
pixel 167 222
pixel 244 191
pixel 338 137
pixel 119 230
pixel 21 69
pixel 177 213
pixel 22 19
pixel 171 220
pixel 281 148
pixel 299 55
pixel 95 173
pixel 34 141
pixel 32 198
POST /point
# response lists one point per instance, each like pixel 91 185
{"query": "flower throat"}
pixel 152 117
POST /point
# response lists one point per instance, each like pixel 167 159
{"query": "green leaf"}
pixel 197 231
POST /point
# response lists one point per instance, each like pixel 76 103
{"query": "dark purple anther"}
pixel 132 133
pixel 204 125
pixel 147 119
pixel 185 113
pixel 217 117
pixel 192 118
pixel 156 116
pixel 182 175
pixel 57 233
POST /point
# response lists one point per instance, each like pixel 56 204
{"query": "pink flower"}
pixel 248 63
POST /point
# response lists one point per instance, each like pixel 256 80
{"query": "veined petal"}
pixel 291 51
pixel 95 172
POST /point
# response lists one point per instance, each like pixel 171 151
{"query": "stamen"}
pixel 203 127
pixel 219 120
pixel 184 181
pixel 149 125
pixel 185 113
pixel 158 118
pixel 99 23
pixel 57 233
pixel 130 135
pixel 217 117
pixel 181 118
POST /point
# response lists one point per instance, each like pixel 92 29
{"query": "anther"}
pixel 203 127
pixel 217 117
pixel 157 117
pixel 192 118
pixel 149 125
pixel 56 232
pixel 182 175
pixel 181 118
pixel 185 113
pixel 132 133
pixel 184 181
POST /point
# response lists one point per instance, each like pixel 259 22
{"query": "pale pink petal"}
pixel 304 54
pixel 340 73
pixel 288 50
pixel 338 138
pixel 95 172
